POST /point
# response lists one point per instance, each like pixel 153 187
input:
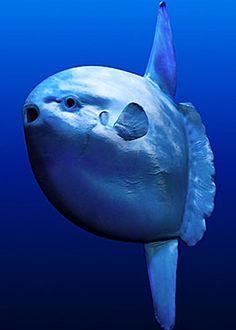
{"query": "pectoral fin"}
pixel 162 267
pixel 132 122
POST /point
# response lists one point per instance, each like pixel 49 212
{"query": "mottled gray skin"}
pixel 126 190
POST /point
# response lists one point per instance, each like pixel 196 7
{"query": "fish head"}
pixel 70 104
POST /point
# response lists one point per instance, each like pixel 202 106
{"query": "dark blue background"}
pixel 56 276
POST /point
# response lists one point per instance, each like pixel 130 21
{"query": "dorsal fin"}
pixel 161 68
pixel 201 187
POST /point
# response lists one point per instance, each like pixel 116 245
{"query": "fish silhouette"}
pixel 117 156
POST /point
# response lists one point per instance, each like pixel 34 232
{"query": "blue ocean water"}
pixel 56 276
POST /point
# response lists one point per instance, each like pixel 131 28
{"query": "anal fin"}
pixel 162 260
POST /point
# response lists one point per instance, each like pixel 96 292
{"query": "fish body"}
pixel 116 155
pixel 137 187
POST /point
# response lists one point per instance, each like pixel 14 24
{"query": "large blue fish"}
pixel 116 155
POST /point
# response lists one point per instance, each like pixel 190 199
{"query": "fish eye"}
pixel 71 102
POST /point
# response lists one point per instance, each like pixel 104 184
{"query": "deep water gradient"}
pixel 56 276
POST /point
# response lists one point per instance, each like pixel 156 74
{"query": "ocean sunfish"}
pixel 117 156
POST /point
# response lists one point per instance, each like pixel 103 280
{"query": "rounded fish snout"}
pixel 30 113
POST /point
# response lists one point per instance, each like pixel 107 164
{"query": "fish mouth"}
pixel 31 113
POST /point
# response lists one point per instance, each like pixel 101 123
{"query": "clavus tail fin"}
pixel 162 260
